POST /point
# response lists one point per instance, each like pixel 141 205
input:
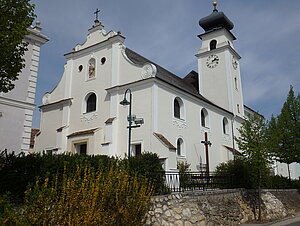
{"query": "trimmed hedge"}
pixel 18 172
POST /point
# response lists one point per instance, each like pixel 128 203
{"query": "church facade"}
pixel 170 115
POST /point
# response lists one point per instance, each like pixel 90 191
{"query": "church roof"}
pixel 164 74
pixel 188 84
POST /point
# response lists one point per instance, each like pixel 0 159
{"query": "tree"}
pixel 252 142
pixel 16 17
pixel 284 131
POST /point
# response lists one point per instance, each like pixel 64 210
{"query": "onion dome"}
pixel 215 20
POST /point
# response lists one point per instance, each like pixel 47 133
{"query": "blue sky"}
pixel 165 31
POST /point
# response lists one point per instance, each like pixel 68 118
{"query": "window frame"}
pixel 88 96
pixel 181 147
pixel 213 44
pixel 181 109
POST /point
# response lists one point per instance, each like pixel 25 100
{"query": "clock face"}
pixel 212 61
pixel 234 63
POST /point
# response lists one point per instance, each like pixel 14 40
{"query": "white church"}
pixel 169 115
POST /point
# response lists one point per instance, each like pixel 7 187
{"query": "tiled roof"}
pixel 188 84
pixel 82 132
pixel 164 140
pixel 234 151
pixel 110 120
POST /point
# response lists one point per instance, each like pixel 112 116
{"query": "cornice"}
pixel 16 103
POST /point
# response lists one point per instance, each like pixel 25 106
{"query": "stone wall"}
pixel 221 207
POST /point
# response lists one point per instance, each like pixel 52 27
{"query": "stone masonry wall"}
pixel 220 207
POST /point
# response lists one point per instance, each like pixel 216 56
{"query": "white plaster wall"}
pixel 129 72
pixel 81 87
pixel 51 120
pixel 21 85
pixel 222 37
pixel 11 124
pixel 190 129
pixel 213 81
pixel 57 93
pixel 141 107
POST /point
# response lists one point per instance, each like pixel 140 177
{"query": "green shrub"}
pixel 238 170
pixel 184 178
pixel 147 165
pixel 243 174
pixel 280 182
pixel 17 172
pixel 88 197
pixel 8 215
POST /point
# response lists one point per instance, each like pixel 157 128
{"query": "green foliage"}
pixel 242 173
pixel 87 197
pixel 184 178
pixel 280 182
pixel 253 143
pixel 17 172
pixel 284 131
pixel 8 215
pixel 183 166
pixel 148 165
pixel 16 17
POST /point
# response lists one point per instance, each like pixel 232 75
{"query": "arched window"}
pixel 179 147
pixel 213 44
pixel 225 126
pixel 204 118
pixel 235 83
pixel 178 108
pixel 91 101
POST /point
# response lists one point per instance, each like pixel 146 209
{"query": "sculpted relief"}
pixel 92 68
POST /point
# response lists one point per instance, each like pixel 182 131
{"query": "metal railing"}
pixel 189 181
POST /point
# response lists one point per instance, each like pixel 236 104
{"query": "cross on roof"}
pixel 96 13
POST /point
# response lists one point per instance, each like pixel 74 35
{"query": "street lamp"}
pixel 126 102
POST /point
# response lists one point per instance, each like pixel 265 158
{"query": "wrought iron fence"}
pixel 189 181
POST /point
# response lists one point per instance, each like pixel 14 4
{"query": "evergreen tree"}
pixel 15 17
pixel 252 141
pixel 284 131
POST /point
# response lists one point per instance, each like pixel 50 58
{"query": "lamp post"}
pixel 129 119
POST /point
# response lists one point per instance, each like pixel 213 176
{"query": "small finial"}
pixel 215 6
pixel 37 26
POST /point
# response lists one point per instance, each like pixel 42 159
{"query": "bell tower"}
pixel 218 63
